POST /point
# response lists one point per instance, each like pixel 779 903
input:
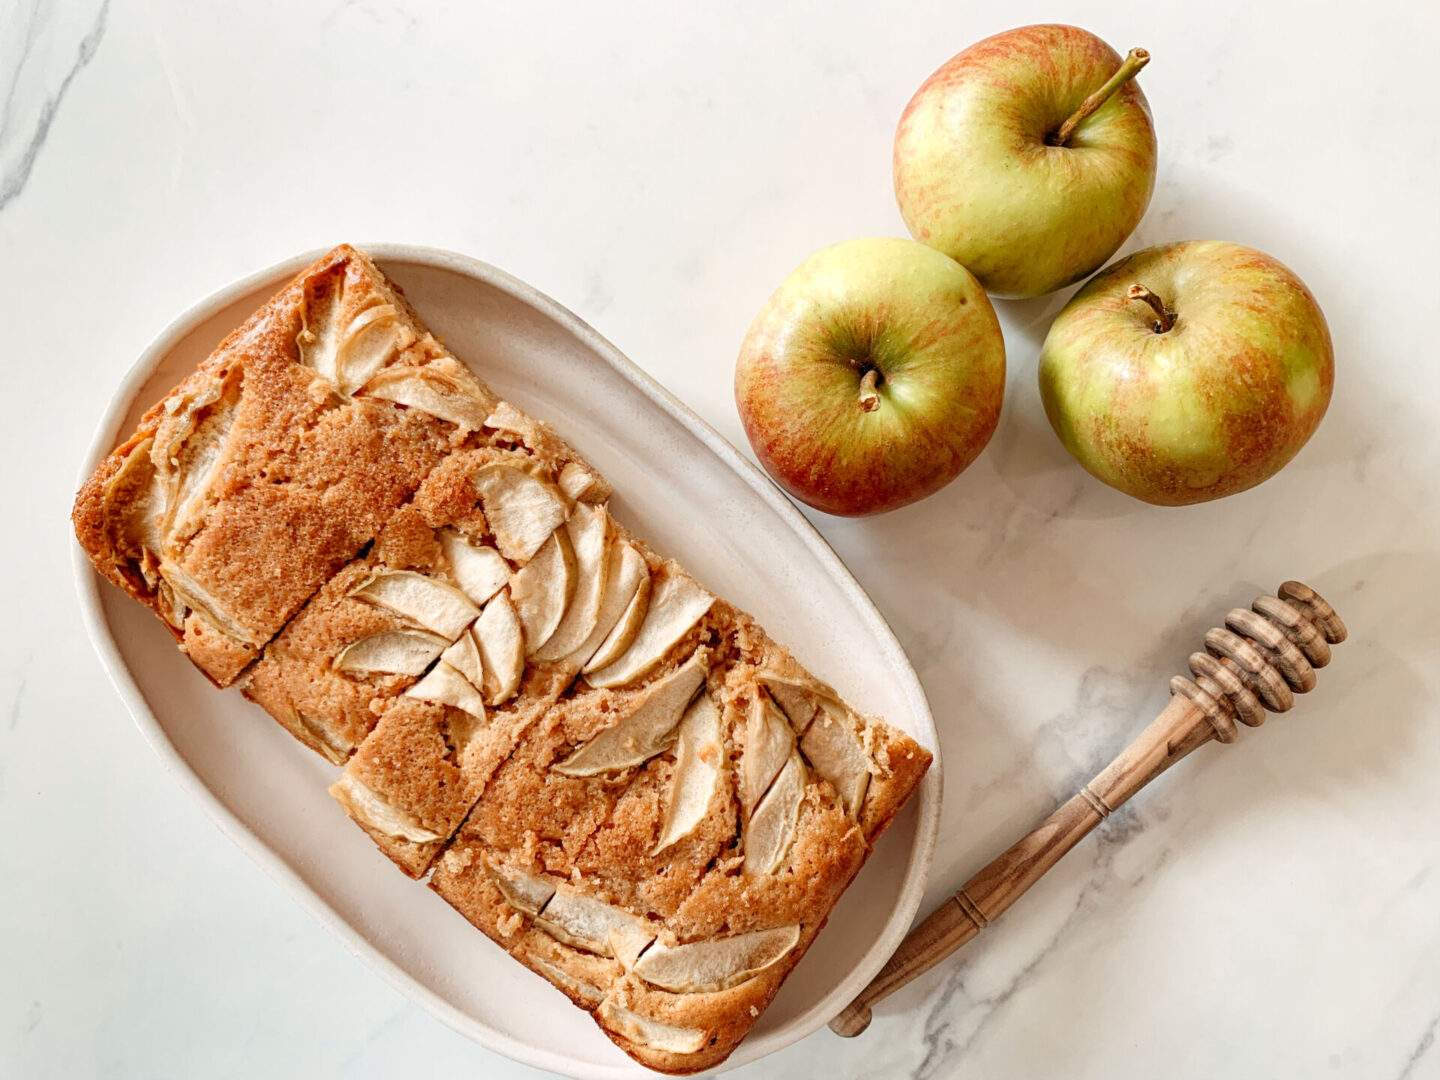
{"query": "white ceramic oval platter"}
pixel 681 487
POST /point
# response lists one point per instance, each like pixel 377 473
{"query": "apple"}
pixel 1028 158
pixel 501 641
pixel 1188 372
pixel 872 376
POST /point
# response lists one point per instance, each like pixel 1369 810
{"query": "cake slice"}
pixel 252 482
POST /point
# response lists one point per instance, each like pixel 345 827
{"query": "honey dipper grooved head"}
pixel 1314 605
pixel 1265 655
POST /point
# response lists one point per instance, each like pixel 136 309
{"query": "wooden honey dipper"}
pixel 1258 660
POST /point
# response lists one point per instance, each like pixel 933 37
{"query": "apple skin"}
pixel 923 323
pixel 976 179
pixel 1214 405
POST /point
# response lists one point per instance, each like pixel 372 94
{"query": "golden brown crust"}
pixel 88 518
pixel 431 762
pixel 296 682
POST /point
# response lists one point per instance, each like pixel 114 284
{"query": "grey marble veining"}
pixel 33 57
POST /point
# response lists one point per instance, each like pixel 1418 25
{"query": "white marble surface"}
pixel 1272 909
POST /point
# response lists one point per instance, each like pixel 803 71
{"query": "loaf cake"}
pixel 615 775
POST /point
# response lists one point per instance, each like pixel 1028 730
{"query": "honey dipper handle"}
pixel 1180 728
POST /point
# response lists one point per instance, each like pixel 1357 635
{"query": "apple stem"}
pixel 869 396
pixel 1128 69
pixel 1164 317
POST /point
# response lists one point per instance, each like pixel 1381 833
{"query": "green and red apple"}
pixel 1028 158
pixel 1188 372
pixel 872 376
